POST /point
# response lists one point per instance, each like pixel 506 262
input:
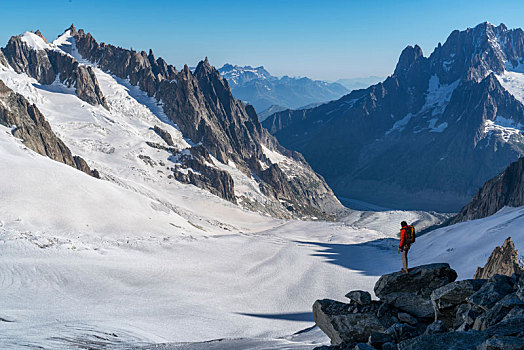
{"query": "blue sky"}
pixel 320 39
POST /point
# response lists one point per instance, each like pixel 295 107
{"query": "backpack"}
pixel 410 234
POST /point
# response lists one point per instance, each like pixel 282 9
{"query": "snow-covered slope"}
pixel 115 140
pixel 87 262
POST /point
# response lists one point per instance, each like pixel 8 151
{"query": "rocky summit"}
pixel 225 149
pixel 504 260
pixel 466 314
pixel 431 134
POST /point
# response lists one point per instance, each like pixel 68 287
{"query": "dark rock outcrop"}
pixel 448 298
pixel 29 124
pixel 491 292
pixel 360 297
pixel 502 343
pixel 444 341
pixel 411 292
pixel 164 135
pixel 199 171
pixel 489 313
pixel 505 189
pixel 498 312
pixel 502 261
pixel 47 65
pixel 3 61
pixel 343 327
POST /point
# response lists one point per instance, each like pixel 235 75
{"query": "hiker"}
pixel 407 237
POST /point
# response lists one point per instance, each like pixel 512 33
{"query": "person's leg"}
pixel 404 255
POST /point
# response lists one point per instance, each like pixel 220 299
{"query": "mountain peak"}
pixel 203 67
pixel 409 56
pixel 39 33
pixel 72 29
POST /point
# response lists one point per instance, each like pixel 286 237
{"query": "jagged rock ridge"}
pixel 429 135
pixel 505 189
pixel 202 106
pixel 48 64
pixel 29 124
pixel 502 261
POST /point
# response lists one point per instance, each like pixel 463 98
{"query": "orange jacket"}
pixel 403 236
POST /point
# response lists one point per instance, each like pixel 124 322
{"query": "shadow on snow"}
pixel 374 258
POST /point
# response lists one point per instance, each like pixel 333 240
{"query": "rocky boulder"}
pixel 444 341
pixel 448 298
pixel 342 327
pixel 360 297
pixel 502 343
pixel 502 261
pixel 498 312
pixel 496 288
pixel 411 292
pixel 466 316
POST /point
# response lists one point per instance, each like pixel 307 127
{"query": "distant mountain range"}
pixel 428 136
pixel 359 83
pixel 264 91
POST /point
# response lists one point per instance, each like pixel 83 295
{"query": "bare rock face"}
pixel 203 107
pixel 48 65
pixel 3 61
pixel 502 261
pixel 164 135
pixel 358 143
pixel 198 170
pixel 505 189
pixel 30 125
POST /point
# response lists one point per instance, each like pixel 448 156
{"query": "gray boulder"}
pixel 389 346
pixel 507 327
pixel 363 346
pixel 407 318
pixel 411 292
pixel 360 297
pixel 496 288
pixel 497 312
pixel 448 298
pixel 401 331
pixel 436 327
pixel 445 341
pixel 332 318
pixel 466 316
pixel 503 343
pixel 378 339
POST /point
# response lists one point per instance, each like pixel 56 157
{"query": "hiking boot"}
pixel 404 271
